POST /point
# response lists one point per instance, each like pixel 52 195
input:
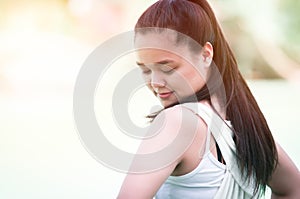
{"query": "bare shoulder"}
pixel 175 127
pixel 178 113
pixel 178 119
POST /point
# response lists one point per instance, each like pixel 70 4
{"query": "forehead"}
pixel 162 45
pixel 164 39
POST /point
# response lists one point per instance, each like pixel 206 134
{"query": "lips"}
pixel 164 95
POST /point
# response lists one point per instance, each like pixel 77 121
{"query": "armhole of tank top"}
pixel 219 154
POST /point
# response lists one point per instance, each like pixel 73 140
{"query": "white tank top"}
pixel 203 182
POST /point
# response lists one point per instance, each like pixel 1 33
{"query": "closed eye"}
pixel 143 67
pixel 167 69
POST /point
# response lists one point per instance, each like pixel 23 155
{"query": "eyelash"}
pixel 168 71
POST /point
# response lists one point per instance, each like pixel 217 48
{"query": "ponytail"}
pixel 256 149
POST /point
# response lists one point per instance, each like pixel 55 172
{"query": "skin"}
pixel 285 180
pixel 165 79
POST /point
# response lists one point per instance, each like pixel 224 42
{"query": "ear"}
pixel 207 53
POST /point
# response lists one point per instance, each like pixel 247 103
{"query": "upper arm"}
pixel 285 180
pixel 174 131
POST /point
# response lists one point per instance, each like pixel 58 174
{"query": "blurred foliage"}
pixel 247 29
pixel 250 62
pixel 289 18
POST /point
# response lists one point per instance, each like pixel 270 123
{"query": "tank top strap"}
pixel 220 130
pixel 208 134
pixel 194 107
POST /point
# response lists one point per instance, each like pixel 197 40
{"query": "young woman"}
pixel 229 151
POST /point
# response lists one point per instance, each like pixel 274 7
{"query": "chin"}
pixel 167 104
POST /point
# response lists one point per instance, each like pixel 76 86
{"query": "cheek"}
pixel 197 81
pixel 196 78
pixel 179 83
pixel 196 75
pixel 190 81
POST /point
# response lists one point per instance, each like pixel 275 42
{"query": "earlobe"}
pixel 208 60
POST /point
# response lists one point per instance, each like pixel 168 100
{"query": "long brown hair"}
pixel 256 150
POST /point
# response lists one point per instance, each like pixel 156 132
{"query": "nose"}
pixel 157 81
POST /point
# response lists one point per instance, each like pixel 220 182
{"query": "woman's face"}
pixel 171 71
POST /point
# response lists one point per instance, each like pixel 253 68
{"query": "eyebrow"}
pixel 162 62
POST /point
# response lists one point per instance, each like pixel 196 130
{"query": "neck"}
pixel 218 105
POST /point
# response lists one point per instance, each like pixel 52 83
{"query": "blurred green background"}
pixel 43 44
